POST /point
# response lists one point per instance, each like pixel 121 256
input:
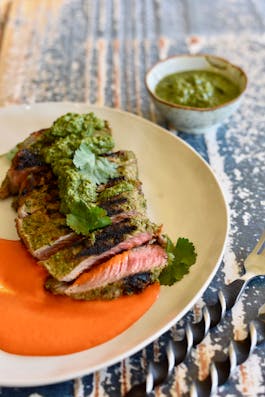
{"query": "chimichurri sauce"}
pixel 197 88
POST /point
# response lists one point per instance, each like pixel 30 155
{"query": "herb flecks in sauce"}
pixel 197 88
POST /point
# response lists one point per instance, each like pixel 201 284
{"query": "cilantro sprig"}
pixel 83 219
pixel 96 169
pixel 180 258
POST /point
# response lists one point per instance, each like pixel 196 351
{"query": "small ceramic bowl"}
pixel 192 119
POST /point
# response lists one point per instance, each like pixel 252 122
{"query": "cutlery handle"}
pixel 227 298
pixel 177 352
pixel 238 352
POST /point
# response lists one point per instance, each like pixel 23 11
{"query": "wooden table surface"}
pixel 98 52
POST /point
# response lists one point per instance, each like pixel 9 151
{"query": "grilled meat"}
pixel 69 263
pixel 121 258
pixel 38 192
pixel 24 163
pixel 43 228
pixel 45 233
pixel 126 162
pixel 122 197
pixel 124 274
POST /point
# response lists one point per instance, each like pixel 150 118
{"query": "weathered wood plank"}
pixel 25 32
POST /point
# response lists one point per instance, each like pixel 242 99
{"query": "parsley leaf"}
pixel 84 219
pixel 180 258
pixel 96 169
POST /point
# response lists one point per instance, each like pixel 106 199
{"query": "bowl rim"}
pixel 198 55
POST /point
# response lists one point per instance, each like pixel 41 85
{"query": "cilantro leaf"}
pixel 96 169
pixel 84 219
pixel 84 156
pixel 180 258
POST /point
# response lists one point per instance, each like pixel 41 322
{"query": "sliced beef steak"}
pixel 25 162
pixel 45 233
pixel 127 286
pixel 69 263
pixel 125 273
pixel 137 260
pixel 43 228
pixel 38 192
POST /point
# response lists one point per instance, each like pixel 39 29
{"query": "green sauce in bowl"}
pixel 197 88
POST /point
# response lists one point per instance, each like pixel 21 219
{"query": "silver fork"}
pixel 194 333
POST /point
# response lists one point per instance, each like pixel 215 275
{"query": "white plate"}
pixel 182 193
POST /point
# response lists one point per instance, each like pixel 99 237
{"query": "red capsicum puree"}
pixel 35 322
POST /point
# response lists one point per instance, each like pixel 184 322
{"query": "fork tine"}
pixel 260 243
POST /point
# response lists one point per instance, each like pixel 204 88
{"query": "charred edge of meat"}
pixel 114 205
pixel 137 283
pixel 26 161
pixel 110 183
pixel 131 200
pixel 25 158
pixel 108 237
pixel 130 285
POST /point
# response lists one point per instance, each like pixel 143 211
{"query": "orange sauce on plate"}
pixel 35 322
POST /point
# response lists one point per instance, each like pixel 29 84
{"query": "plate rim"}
pixel 114 360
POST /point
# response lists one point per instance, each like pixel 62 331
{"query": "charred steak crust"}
pixel 27 159
pixel 107 238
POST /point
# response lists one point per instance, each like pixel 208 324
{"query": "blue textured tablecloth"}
pixel 98 52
